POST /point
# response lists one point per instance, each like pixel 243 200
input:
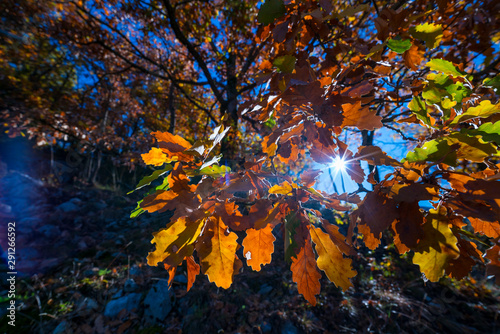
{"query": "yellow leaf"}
pixel 258 246
pixel 154 157
pixel 175 242
pixel 217 253
pixel 283 189
pixel 337 268
pixel 438 246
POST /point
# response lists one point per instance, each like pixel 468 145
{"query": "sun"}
pixel 339 164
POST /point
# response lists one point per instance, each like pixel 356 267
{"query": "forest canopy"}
pixel 249 102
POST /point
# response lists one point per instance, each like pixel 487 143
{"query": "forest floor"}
pixel 81 265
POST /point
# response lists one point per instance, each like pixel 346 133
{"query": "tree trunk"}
pixel 230 143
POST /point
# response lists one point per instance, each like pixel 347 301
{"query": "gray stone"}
pixel 289 328
pixel 130 286
pixel 135 271
pixel 50 231
pixel 128 302
pixel 158 303
pixel 87 306
pixel 266 327
pixel 181 279
pixel 63 327
pixel 265 289
pixel 71 205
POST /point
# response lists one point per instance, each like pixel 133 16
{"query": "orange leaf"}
pixel 258 246
pixel 193 269
pixel 171 273
pixel 360 117
pixel 489 229
pixel 305 273
pixel 155 157
pixel 337 268
pixel 413 57
pixel 217 252
pixel 171 142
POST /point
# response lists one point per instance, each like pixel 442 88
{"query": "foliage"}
pixel 280 83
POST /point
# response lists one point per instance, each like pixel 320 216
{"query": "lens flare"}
pixel 338 164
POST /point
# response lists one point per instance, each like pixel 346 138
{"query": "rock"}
pixel 130 286
pixel 71 205
pixel 289 328
pixel 265 289
pixel 135 271
pixel 128 302
pixel 266 327
pixel 87 306
pixel 63 327
pixel 181 279
pixel 50 231
pixel 158 303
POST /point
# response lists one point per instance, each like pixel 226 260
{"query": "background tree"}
pixel 279 87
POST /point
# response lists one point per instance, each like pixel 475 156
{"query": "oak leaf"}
pixel 258 246
pixel 360 117
pixel 330 259
pixel 217 252
pixel 438 246
pixel 305 273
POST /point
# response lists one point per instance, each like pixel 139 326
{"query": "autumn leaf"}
pixel 413 57
pixel 429 32
pixel 493 265
pixel 175 242
pixel 216 249
pixel 258 246
pixel 360 117
pixel 305 273
pixel 483 110
pixel 193 269
pixel 155 157
pixel 284 188
pixel 337 268
pixel 438 246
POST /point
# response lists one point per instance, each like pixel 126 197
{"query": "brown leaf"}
pixel 360 117
pixel 493 266
pixel 413 57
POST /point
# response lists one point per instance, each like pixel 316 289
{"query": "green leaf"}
pixel 215 171
pixel 399 45
pixel 483 110
pixel 434 150
pixel 271 10
pixel 286 64
pixel 418 107
pixel 137 211
pixel 444 66
pixel 430 33
pixel 292 222
pixel 452 147
pixel 492 83
pixel 148 179
pixel 458 91
pixel 488 131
